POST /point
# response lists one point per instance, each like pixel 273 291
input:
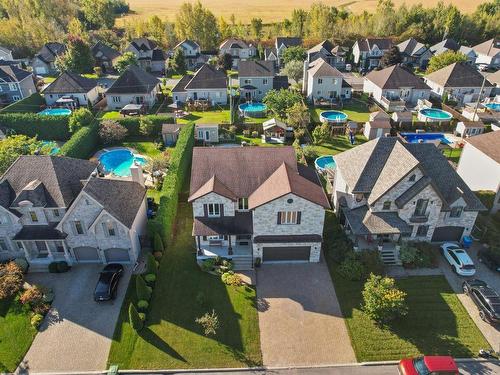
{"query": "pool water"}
pixel 333 116
pixel 325 162
pixel 55 112
pixel 493 106
pixel 436 114
pixel 426 137
pixel 253 107
pixel 118 162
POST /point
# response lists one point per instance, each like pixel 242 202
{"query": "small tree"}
pixel 158 163
pixel 77 58
pixel 280 101
pixel 296 53
pixel 444 59
pixel 178 62
pixel 158 243
pixel 209 323
pixel 321 133
pixel 124 61
pixel 11 279
pixel 142 290
pixel 298 116
pixel 382 301
pixel 391 57
pixel 111 131
pixel 134 318
pixel 151 265
pixel 80 118
pixel 146 126
pixel 294 69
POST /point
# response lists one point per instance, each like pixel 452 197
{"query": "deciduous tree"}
pixel 382 300
pixel 79 118
pixel 124 61
pixel 444 59
pixel 111 131
pixel 294 69
pixel 295 53
pixel 279 101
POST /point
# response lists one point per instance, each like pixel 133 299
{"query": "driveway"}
pixel 76 334
pixel 299 316
pixel 491 333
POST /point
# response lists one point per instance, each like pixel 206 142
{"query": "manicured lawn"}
pixel 91 75
pixel 171 338
pixel 207 117
pixel 337 144
pixel 16 335
pixel 437 322
pixel 147 148
pixel 452 154
pixel 256 141
pixel 355 109
pixel 111 115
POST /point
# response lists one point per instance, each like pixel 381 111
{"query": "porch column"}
pixel 49 251
pixel 26 252
pixel 230 248
pixel 198 243
pixel 67 254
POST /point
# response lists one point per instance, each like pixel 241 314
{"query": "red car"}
pixel 428 365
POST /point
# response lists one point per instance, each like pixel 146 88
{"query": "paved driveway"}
pixel 76 334
pixel 482 272
pixel 299 316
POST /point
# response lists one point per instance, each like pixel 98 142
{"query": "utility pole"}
pixel 479 98
pixel 231 114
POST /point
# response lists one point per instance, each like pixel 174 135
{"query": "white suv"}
pixel 458 258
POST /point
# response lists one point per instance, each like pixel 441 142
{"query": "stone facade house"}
pixel 324 82
pixel 15 84
pixel 256 203
pixel 238 49
pixel 368 52
pixel 414 53
pixel 333 55
pixel 151 58
pixel 71 90
pixel 208 84
pixel 105 56
pixel 44 61
pixel 386 191
pixel 257 77
pixel 57 209
pixel 488 53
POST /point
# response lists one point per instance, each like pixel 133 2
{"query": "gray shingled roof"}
pixel 143 44
pixel 69 83
pixel 444 45
pixel 320 68
pixel 395 77
pixel 288 41
pixel 362 222
pixel 11 73
pixel 240 223
pixel 488 143
pixel 50 51
pixel 458 74
pixel 234 43
pixel 189 42
pixel 410 47
pixel 134 80
pixel 368 43
pixel 413 190
pixel 107 51
pixel 254 68
pixel 207 77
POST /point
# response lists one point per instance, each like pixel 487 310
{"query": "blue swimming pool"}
pixel 55 112
pixel 493 106
pixel 426 137
pixel 325 162
pixel 434 114
pixel 253 109
pixel 332 116
pixel 118 162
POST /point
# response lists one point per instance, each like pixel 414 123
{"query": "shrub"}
pixel 135 319
pixel 80 118
pixel 33 125
pixel 150 278
pixel 147 127
pixel 230 278
pixel 158 243
pixel 246 133
pixel 82 144
pixel 11 279
pixel 42 308
pixel 142 305
pixel 48 296
pixel 22 264
pixel 208 264
pixel 255 134
pixel 209 323
pixel 309 153
pixel 351 269
pixel 110 132
pixel 32 296
pixel 371 262
pixel 151 264
pixel 408 254
pixel 418 254
pixel 382 301
pixel 36 320
pixel 158 255
pixel 142 290
pixel 133 124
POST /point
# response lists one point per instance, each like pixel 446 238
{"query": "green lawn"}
pixel 452 154
pixel 16 335
pixel 207 117
pixel 337 144
pixel 111 115
pixel 171 338
pixel 355 109
pixel 437 322
pixel 147 148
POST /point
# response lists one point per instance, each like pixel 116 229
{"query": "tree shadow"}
pixel 152 338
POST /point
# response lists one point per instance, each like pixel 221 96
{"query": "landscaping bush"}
pixel 151 264
pixel 41 308
pixel 82 144
pixel 133 124
pixel 246 133
pixel 32 103
pixel 150 278
pixel 36 320
pixel 53 128
pixel 142 290
pixel 142 305
pixel 351 269
pixel 11 280
pixel 158 255
pixel 111 132
pixel 487 197
pixel 158 243
pixel 80 118
pixel 136 320
pixel 209 323
pixel 371 262
pixel 418 255
pixel 31 296
pixel 230 278
pixel 59 267
pixel 208 265
pixel 22 264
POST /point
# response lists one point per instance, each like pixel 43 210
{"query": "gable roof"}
pixel 134 80
pixel 494 78
pixel 11 73
pixel 467 50
pixel 489 48
pixel 320 68
pixel 288 41
pixel 458 74
pixel 191 43
pixel 143 44
pixel 234 43
pixel 395 77
pixel 107 51
pixel 50 51
pixel 325 44
pixel 271 123
pixel 68 83
pixel 256 68
pixel 487 143
pixel 410 47
pixel 214 185
pixel 268 52
pixel 444 45
pixel 368 43
pixel 207 77
pixel 379 115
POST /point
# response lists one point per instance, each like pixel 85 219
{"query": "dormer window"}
pixel 456 211
pixel 412 177
pixel 320 81
pixel 387 205
pixel 78 227
pixel 109 228
pixel 213 209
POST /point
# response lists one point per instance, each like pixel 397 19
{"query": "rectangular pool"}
pixel 426 137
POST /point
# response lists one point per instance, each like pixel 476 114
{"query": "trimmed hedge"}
pixel 172 183
pixel 32 103
pixel 132 123
pixel 54 128
pixel 83 143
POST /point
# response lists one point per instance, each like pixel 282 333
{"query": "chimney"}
pixel 136 173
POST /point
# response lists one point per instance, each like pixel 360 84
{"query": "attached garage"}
pixel 86 254
pixel 449 233
pixel 286 253
pixel 117 255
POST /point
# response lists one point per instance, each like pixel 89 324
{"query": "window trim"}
pixel 288 217
pixel 215 208
pixel 243 204
pixel 386 206
pixel 76 224
pixel 456 214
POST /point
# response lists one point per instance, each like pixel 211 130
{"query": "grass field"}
pixel 269 11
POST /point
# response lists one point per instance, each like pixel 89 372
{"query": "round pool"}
pixel 55 112
pixel 332 116
pixel 253 109
pixel 325 162
pixel 118 162
pixel 434 114
pixel 493 106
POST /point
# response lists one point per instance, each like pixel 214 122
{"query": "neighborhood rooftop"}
pixel 134 80
pixel 488 143
pixel 395 77
pixel 69 82
pixel 458 74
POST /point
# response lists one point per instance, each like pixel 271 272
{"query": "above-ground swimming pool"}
pixel 332 116
pixel 434 114
pixel 253 109
pixel 55 112
pixel 493 106
pixel 118 162
pixel 325 162
pixel 426 137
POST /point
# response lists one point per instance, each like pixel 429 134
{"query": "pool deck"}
pixel 98 154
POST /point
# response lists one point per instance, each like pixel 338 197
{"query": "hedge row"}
pixel 132 123
pixel 32 103
pixel 83 143
pixel 54 128
pixel 172 184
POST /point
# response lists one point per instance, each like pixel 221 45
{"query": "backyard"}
pixel 171 338
pixel 337 144
pixel 356 110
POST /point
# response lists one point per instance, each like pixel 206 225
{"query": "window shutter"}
pixel 221 209
pixel 205 210
pixel 299 214
pixel 279 218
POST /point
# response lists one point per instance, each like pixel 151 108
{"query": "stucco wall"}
pixel 478 170
pixel 322 90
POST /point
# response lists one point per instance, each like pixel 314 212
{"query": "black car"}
pixel 486 299
pixel 489 259
pixel 107 285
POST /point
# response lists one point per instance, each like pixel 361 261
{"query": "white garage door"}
pixel 86 254
pixel 116 255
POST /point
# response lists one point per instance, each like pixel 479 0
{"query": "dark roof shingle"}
pixel 134 80
pixel 69 83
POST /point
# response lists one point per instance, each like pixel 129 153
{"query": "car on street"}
pixel 107 285
pixel 459 260
pixel 486 299
pixel 428 365
pixel 489 259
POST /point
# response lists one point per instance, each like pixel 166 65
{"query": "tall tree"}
pixel 444 59
pixel 193 21
pixel 225 61
pixel 178 62
pixel 296 53
pixel 98 14
pixel 256 26
pixel 294 69
pixel 279 101
pixel 391 57
pixel 320 20
pixel 78 57
pixel 299 17
pixel 124 61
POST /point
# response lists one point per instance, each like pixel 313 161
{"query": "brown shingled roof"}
pixel 215 186
pixel 395 77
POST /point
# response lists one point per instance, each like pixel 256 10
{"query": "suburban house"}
pixel 56 209
pixel 443 46
pixel 467 129
pixel 333 55
pixel 387 190
pixel 71 90
pixel 206 133
pixel 460 82
pixel 44 61
pixel 6 54
pixel 238 49
pixel 256 204
pixel 207 84
pixel 378 126
pixel 257 77
pixel 494 79
pixel 275 131
pixel 105 56
pixel 488 53
pixel 170 133
pixel 149 55
pixel 469 53
pixel 368 52
pixel 270 54
pixel 192 53
pixel 479 164
pixel 283 42
pixel 395 88
pixel 323 82
pixel 414 53
pixel 15 84
pixel 134 86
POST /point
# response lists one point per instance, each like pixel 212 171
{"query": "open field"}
pixel 270 11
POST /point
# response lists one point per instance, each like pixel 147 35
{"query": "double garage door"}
pixel 91 255
pixel 449 233
pixel 286 253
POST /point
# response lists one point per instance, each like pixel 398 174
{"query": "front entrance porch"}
pixel 44 252
pixel 386 245
pixel 238 248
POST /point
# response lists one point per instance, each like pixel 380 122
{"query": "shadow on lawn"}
pixel 149 336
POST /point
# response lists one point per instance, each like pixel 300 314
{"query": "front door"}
pixel 248 95
pixel 41 246
pixel 195 95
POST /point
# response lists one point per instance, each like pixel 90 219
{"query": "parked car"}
pixel 486 299
pixel 489 259
pixel 428 365
pixel 459 260
pixel 107 285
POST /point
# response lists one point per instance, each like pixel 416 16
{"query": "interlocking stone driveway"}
pixel 76 334
pixel 299 316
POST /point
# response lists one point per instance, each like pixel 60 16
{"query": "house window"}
pixel 456 211
pixel 264 81
pixel 289 217
pixel 412 178
pixel 421 207
pixel 109 228
pixel 78 227
pixel 248 81
pixel 243 204
pixel 16 97
pixel 59 246
pixel 320 81
pixel 212 238
pixel 19 245
pixel 387 205
pixel 33 216
pixel 56 213
pixel 116 99
pixel 12 87
pixel 3 245
pixel 213 209
pixel 422 230
pixel 335 81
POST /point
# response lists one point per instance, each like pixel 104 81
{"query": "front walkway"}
pixel 300 320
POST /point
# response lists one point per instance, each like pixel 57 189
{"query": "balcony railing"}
pixel 419 218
